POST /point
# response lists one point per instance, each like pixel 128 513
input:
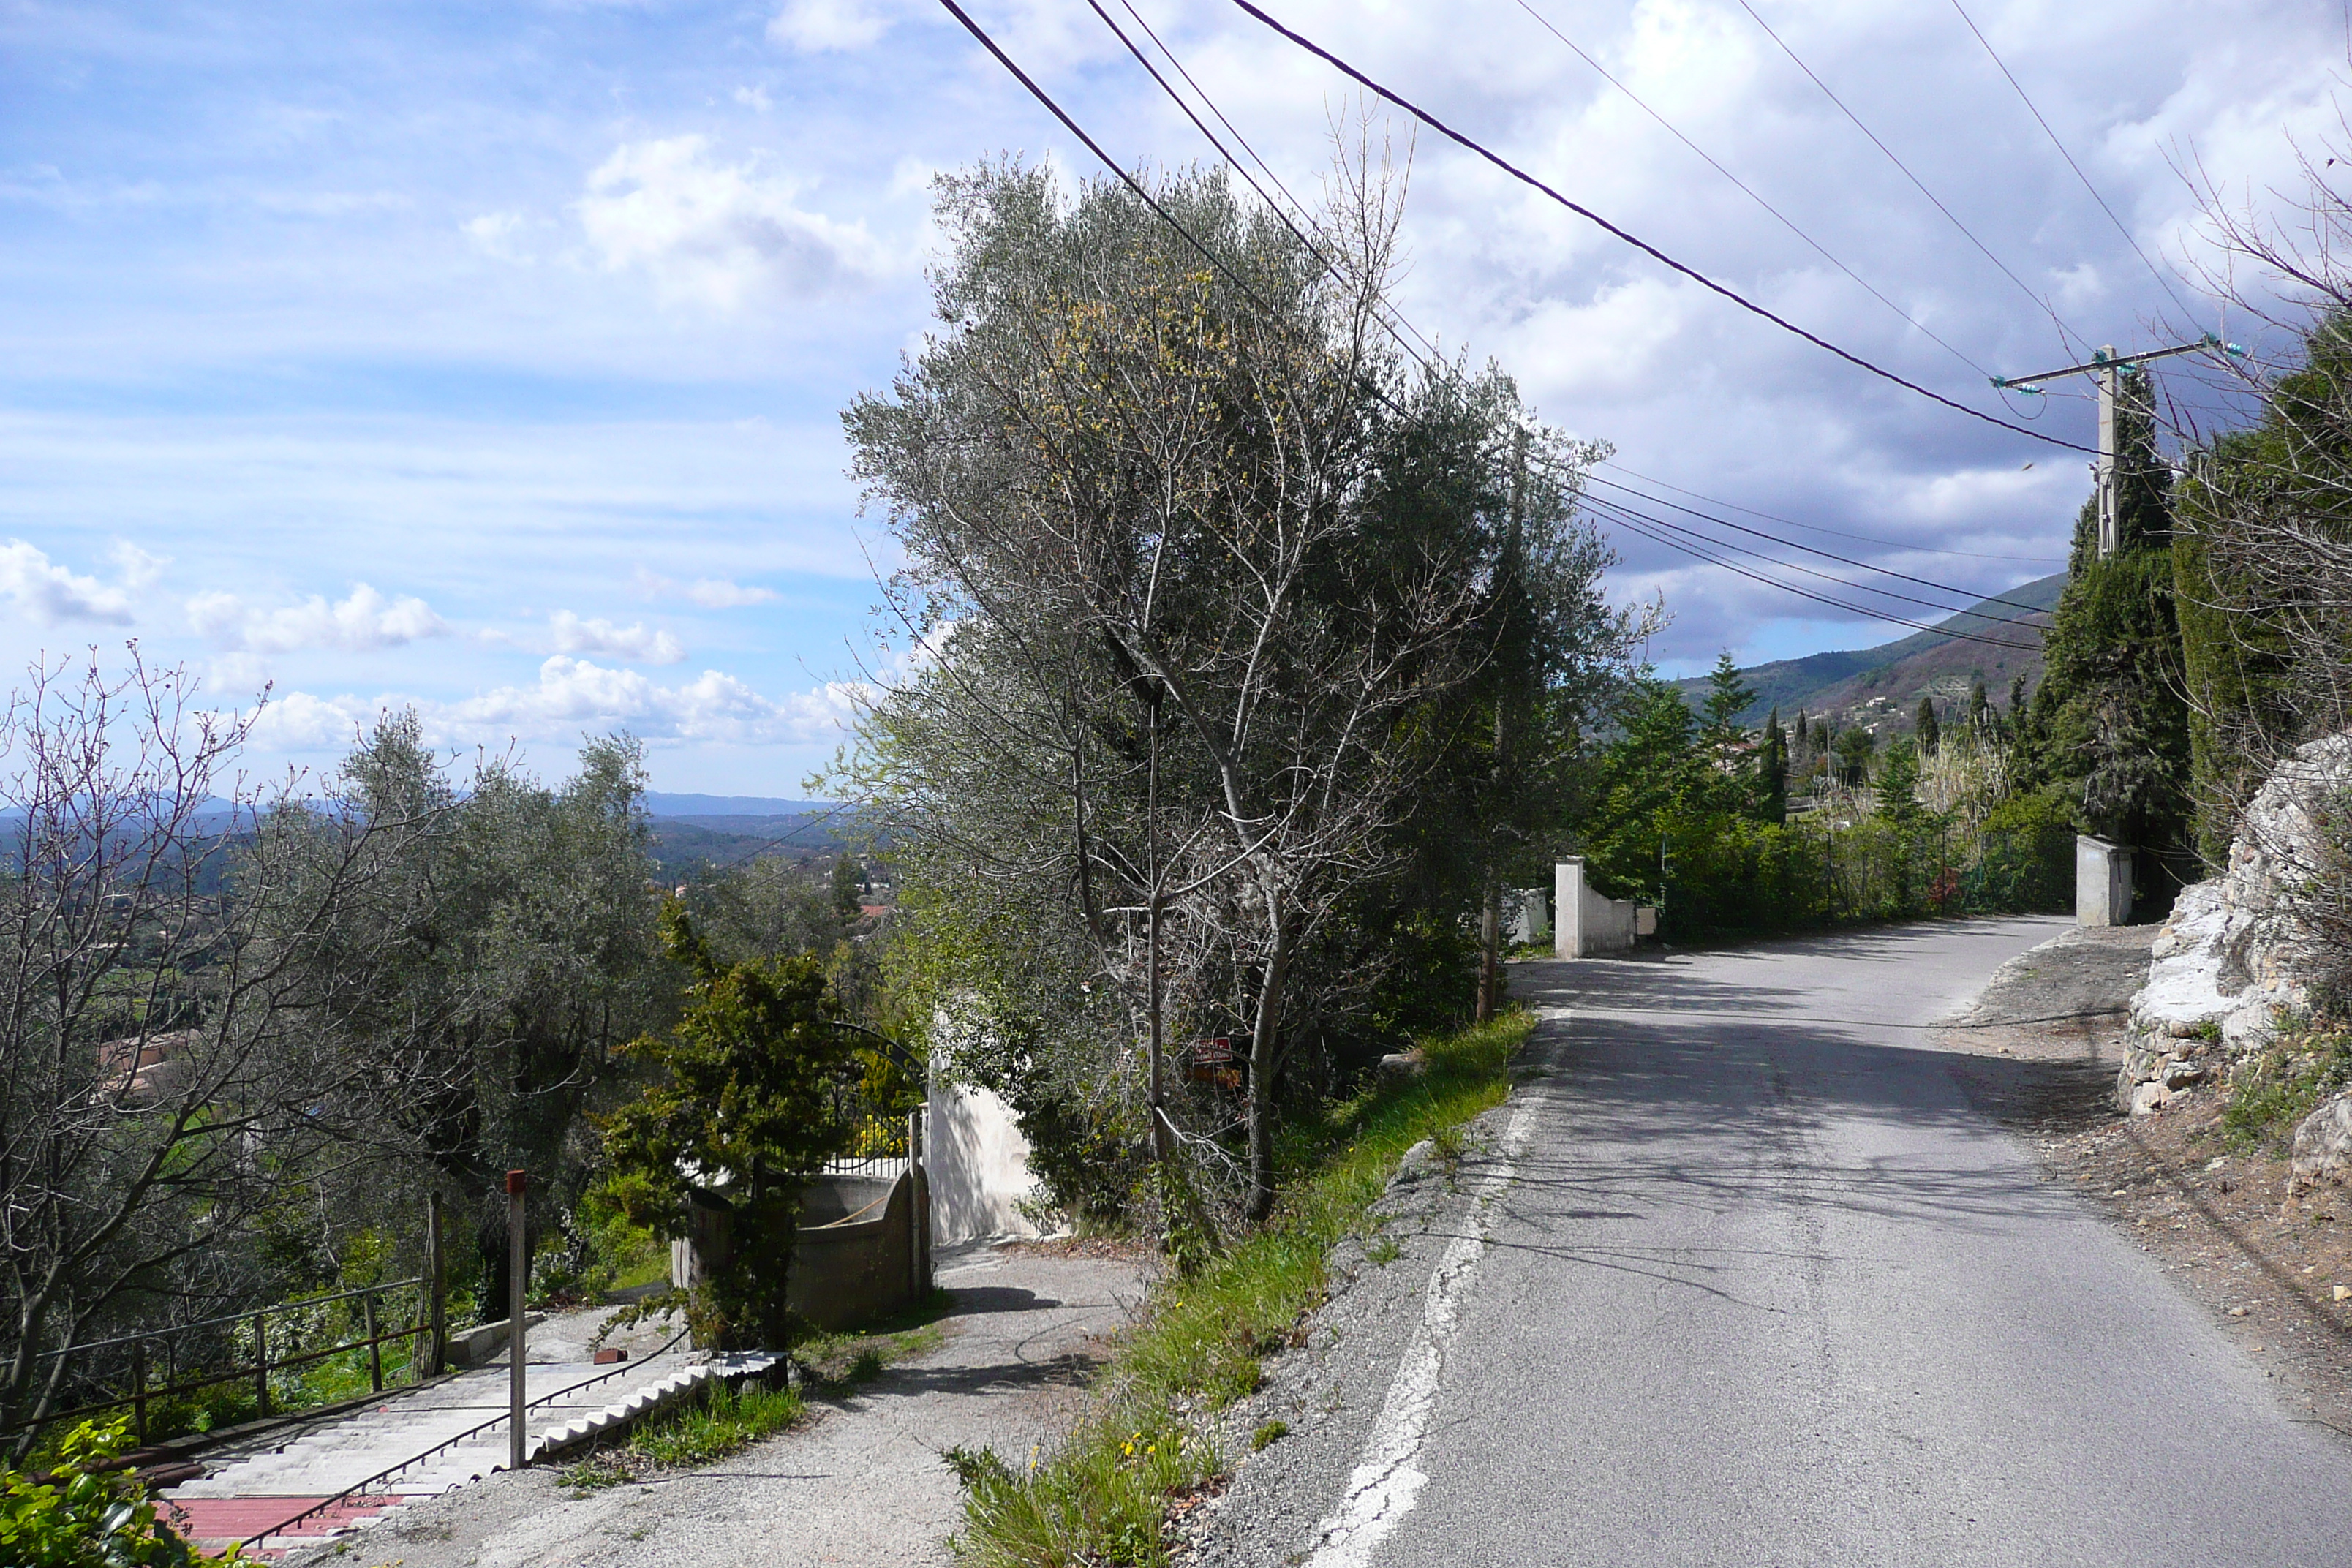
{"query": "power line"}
pixel 2128 239
pixel 1786 222
pixel 1969 595
pixel 1656 529
pixel 1652 529
pixel 1833 532
pixel 1685 531
pixel 1130 181
pixel 1637 243
pixel 1329 266
pixel 1638 523
pixel 2064 335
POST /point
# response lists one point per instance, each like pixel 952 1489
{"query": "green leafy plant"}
pixel 727 1423
pixel 2271 1090
pixel 747 1102
pixel 83 1516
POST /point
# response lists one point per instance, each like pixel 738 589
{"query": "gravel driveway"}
pixel 861 1483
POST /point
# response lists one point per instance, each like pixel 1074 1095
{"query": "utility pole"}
pixel 1490 914
pixel 2106 369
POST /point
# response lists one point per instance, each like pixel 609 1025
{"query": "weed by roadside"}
pixel 725 1424
pixel 838 1362
pixel 1105 1497
pixel 2273 1089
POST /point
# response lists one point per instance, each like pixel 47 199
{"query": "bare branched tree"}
pixel 161 1072
pixel 2263 556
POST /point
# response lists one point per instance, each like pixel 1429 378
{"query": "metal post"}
pixel 2106 375
pixel 260 1365
pixel 1155 1091
pixel 436 1290
pixel 518 1280
pixel 375 1346
pixel 139 1389
pixel 919 1209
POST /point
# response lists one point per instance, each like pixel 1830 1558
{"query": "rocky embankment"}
pixel 2241 952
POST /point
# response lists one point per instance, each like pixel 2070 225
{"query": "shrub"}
pixel 83 1517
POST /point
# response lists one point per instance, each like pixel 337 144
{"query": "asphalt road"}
pixel 1761 1286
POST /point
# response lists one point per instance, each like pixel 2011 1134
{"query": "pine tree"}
pixel 1727 696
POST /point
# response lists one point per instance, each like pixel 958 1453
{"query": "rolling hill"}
pixel 1883 684
pixel 728 829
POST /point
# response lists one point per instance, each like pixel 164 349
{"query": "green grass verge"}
pixel 1104 1497
pixel 704 1432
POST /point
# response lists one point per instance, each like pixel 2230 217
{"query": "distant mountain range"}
pixel 728 829
pixel 687 829
pixel 662 804
pixel 1883 684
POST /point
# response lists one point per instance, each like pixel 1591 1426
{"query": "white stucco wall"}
pixel 978 1164
pixel 1586 922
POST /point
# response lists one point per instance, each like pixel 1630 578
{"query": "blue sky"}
pixel 489 357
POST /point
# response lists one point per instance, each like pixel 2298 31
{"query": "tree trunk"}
pixel 1490 942
pixel 1265 1038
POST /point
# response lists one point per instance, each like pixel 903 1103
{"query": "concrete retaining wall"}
pixel 861 1253
pixel 858 1257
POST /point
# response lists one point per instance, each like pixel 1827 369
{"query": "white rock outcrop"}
pixel 2322 1150
pixel 2237 950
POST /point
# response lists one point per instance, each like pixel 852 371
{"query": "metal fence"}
pixel 122 1372
pixel 879 1148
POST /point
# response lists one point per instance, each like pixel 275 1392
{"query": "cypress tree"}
pixel 1773 780
pixel 2107 728
pixel 1925 726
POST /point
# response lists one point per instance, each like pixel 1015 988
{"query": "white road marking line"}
pixel 1386 1484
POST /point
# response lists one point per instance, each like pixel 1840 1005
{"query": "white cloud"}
pixel 755 99
pixel 812 27
pixel 498 235
pixel 710 592
pixel 51 595
pixel 634 643
pixel 363 622
pixel 572 695
pixel 718 234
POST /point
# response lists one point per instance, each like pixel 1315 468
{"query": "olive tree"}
pixel 1191 600
pixel 483 995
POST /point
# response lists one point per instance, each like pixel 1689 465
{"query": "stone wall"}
pixel 2237 950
